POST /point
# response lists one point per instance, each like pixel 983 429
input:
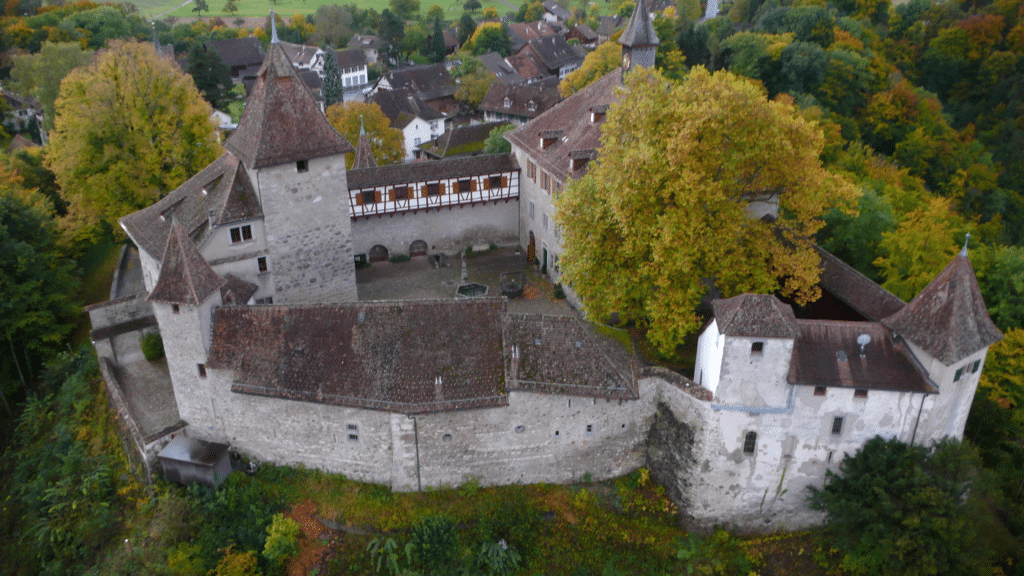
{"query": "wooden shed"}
pixel 189 460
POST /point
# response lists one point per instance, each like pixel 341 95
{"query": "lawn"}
pixel 183 8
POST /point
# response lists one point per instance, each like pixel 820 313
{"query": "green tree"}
pixel 919 248
pixel 435 11
pixel 405 9
pixel 534 11
pixel 435 544
pixel 1001 279
pixel 100 25
pixel 333 89
pixel 490 13
pixel 391 32
pixel 282 540
pixel 474 80
pixel 595 65
pixel 466 28
pixel 436 50
pixel 491 37
pixel 334 25
pixel 387 143
pixel 200 6
pixel 129 128
pixel 496 143
pixel 36 280
pixel 901 509
pixel 471 5
pixel 211 75
pixel 415 38
pixel 39 75
pixel 666 202
pixel 230 7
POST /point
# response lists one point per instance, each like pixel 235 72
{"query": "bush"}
pixel 152 346
pixel 435 544
pixel 559 291
pixel 282 540
pixel 399 258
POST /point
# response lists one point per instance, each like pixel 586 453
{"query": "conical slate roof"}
pixel 364 156
pixel 948 319
pixel 282 122
pixel 639 30
pixel 185 276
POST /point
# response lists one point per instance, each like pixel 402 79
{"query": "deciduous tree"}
pixel 491 37
pixel 595 65
pixel 405 9
pixel 496 143
pixel 474 79
pixel 666 202
pixel 919 248
pixel 387 143
pixel 129 128
pixel 39 75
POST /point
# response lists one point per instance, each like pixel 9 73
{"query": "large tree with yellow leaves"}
pixel 665 205
pixel 130 127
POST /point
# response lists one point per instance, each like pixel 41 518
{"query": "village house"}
pixel 555 54
pixel 431 83
pixel 352 65
pixel 243 56
pixel 250 263
pixel 519 103
pixel 418 121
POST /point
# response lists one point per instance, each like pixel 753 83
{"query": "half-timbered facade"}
pixel 423 195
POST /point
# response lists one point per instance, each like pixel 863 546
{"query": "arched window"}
pixel 750 443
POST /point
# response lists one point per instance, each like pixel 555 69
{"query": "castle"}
pixel 250 272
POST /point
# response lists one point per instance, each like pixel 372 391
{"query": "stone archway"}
pixel 418 248
pixel 378 254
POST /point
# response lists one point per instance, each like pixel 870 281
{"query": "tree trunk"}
pixel 15 357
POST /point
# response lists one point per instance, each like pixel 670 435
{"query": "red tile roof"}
pixel 755 315
pixel 185 277
pixel 282 122
pixel 409 357
pixel 364 155
pixel 573 117
pixel 221 191
pixel 855 289
pixel 827 353
pixel 948 319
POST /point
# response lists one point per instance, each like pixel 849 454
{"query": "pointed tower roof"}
pixel 364 156
pixel 185 276
pixel 948 319
pixel 639 30
pixel 756 316
pixel 282 122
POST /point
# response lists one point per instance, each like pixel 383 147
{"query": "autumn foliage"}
pixel 668 203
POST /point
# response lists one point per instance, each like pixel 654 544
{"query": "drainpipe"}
pixel 416 435
pixel 916 422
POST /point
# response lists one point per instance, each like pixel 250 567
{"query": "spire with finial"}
pixel 273 28
pixel 966 240
pixel 364 155
pixel 156 41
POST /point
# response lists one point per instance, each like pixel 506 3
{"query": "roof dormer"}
pixel 549 137
pixel 579 158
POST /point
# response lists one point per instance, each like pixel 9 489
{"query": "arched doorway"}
pixel 418 248
pixel 378 254
pixel 531 250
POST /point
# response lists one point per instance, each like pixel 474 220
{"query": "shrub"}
pixel 152 346
pixel 399 258
pixel 282 540
pixel 435 544
pixel 559 291
pixel 493 246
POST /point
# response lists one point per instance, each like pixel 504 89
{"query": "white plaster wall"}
pixel 945 414
pixel 444 230
pixel 710 347
pixel 420 128
pixel 530 190
pixel 751 379
pixel 150 269
pixel 217 243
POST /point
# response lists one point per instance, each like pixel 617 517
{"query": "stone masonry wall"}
pixel 309 231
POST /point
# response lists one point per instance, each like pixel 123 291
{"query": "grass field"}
pixel 286 8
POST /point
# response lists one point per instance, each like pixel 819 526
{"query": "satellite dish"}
pixel 863 340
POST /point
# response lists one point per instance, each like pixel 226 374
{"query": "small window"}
pixel 201 368
pixel 820 390
pixel 353 432
pixel 465 186
pixel 531 170
pixel 556 434
pixel 531 106
pixel 531 209
pixel 446 438
pixel 369 196
pixel 241 234
pixel 750 443
pixel 302 166
pixel 434 189
pixel 959 373
pixel 757 347
pixel 829 460
pixel 401 192
pixel 268 300
pixel 520 429
pixel 507 102
pixel 261 264
pixel 494 182
pixel 860 393
pixel 590 428
pixel 837 425
pixel 623 426
pixel 545 181
pixel 175 309
pixel 977 364
pixel 545 222
pixel 417 141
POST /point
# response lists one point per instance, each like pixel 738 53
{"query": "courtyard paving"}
pixel 418 279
